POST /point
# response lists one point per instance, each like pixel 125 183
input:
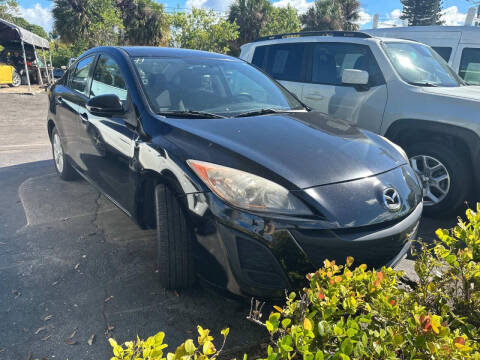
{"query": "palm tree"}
pixel 250 16
pixel 145 22
pixel 331 15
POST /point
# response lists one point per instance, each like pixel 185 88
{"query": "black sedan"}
pixel 246 187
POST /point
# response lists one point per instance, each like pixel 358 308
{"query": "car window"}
pixel 259 57
pixel 444 51
pixel 285 61
pixel 79 77
pixel 420 65
pixel 222 87
pixel 108 79
pixel 470 66
pixel 330 59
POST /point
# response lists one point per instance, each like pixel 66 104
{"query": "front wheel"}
pixel 174 241
pixel 444 174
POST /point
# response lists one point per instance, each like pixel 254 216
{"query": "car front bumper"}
pixel 273 256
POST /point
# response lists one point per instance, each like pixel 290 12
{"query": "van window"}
pixel 259 57
pixel 285 61
pixel 330 59
pixel 470 66
pixel 443 51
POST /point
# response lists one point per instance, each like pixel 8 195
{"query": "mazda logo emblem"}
pixel 391 199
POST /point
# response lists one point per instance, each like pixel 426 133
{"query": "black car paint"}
pixel 318 159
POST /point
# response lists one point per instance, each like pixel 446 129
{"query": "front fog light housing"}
pixel 248 191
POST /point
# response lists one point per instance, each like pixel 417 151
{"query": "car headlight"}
pixel 398 147
pixel 248 191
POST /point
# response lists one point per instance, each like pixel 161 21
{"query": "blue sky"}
pixel 38 11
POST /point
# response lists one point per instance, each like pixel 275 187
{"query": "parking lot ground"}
pixel 22 89
pixel 72 265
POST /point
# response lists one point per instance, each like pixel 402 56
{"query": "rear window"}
pixel 470 66
pixel 282 61
pixel 443 51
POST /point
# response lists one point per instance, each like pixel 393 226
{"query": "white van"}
pixel 458 45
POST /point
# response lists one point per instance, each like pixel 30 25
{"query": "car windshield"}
pixel 420 65
pixel 214 86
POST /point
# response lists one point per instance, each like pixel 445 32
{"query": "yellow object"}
pixel 8 75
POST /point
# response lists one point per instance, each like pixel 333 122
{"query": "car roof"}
pixel 153 51
pixel 278 39
pixel 435 28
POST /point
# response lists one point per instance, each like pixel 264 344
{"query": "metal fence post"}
pixel 26 66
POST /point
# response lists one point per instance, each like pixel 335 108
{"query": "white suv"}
pixel 400 89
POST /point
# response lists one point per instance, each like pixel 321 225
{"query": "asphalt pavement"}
pixel 73 267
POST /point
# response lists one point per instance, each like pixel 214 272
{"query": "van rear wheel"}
pixel 445 176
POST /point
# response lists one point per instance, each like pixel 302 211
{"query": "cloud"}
pixel 364 17
pixel 220 5
pixel 391 19
pixel 301 5
pixel 452 17
pixel 37 15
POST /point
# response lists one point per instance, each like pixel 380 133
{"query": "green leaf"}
pixel 225 332
pixel 346 346
pixel 190 347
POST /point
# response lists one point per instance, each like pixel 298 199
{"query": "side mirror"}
pixel 355 77
pixel 105 105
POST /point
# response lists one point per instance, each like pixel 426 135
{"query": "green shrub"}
pixel 449 275
pixel 153 348
pixel 356 313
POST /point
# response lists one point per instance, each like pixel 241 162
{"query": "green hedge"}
pixel 356 313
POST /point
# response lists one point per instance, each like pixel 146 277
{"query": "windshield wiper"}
pixel 191 113
pixel 426 83
pixel 268 111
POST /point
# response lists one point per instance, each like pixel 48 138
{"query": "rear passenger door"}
pixel 286 63
pixel 324 90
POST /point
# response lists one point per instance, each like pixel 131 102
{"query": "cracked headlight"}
pixel 248 191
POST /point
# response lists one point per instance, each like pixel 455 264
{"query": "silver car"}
pixel 400 89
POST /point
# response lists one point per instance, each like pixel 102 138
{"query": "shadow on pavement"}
pixel 71 262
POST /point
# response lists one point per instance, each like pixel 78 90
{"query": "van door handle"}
pixel 84 118
pixel 59 100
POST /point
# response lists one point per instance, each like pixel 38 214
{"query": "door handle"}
pixel 59 100
pixel 84 118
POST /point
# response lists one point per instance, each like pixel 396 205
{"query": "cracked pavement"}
pixel 72 263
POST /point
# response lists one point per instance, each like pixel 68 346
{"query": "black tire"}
pixel 16 79
pixel 66 172
pixel 458 170
pixel 174 241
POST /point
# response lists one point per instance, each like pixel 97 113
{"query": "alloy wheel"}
pixel 16 79
pixel 434 176
pixel 58 153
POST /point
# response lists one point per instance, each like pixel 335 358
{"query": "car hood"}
pixel 306 149
pixel 461 92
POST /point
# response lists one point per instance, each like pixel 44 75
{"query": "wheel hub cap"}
pixel 58 153
pixel 434 176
